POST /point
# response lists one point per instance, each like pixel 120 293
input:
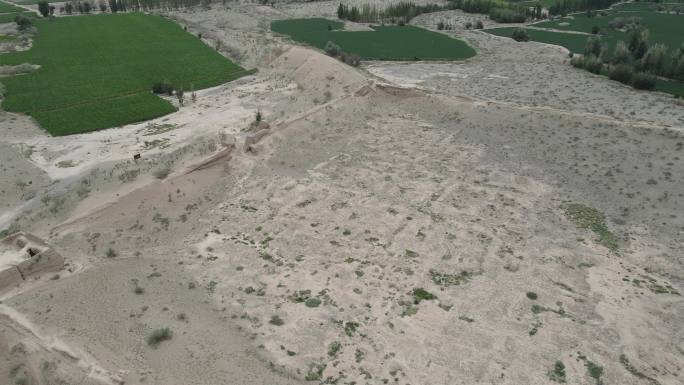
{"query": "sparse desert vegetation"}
pixel 472 210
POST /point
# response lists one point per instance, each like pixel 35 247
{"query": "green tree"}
pixel 44 8
pixel 638 43
pixel 621 55
pixel 654 59
pixel 593 47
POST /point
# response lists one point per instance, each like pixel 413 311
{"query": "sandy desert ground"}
pixel 398 223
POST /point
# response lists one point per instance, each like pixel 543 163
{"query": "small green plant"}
pixel 110 253
pixel 277 321
pixel 315 372
pixel 138 290
pixel 334 348
pixel 520 34
pixel 159 335
pixel 312 302
pixel 532 295
pixel 557 374
pixel 420 294
pixel 350 328
pixel 536 309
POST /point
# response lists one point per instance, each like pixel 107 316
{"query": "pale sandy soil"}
pixel 362 192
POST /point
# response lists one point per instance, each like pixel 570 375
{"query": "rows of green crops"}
pixel 97 71
pixel 383 43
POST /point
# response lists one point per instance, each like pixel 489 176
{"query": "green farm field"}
pixel 97 71
pixel 663 28
pixel 384 43
pixel 10 8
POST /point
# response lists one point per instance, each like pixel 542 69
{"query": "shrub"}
pixel 350 58
pixel 594 30
pixel 520 34
pixel 23 22
pixel 420 294
pixel 638 43
pixel 332 49
pixel 531 295
pixel 440 25
pixel 163 88
pixel 654 59
pixel 312 302
pixel 111 253
pixel 593 47
pixel 468 25
pixel 621 73
pixel 621 55
pixel 643 81
pixel 158 336
pixel 277 321
pixel 479 25
pixel 593 64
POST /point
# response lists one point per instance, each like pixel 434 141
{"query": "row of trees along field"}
pixel 563 7
pixel 115 6
pixel 632 62
pixel 498 10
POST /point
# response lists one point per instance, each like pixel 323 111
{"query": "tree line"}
pixel 114 6
pixel 563 7
pixel 403 12
pixel 634 62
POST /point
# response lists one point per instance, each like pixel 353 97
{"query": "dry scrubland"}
pixel 472 222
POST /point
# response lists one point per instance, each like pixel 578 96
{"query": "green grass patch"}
pixel 586 217
pixel 383 43
pixel 573 42
pixel 6 7
pixel 9 17
pixel 97 71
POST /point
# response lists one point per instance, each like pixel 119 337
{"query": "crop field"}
pixel 9 8
pixel 663 28
pixel 97 71
pixel 384 43
pixel 572 41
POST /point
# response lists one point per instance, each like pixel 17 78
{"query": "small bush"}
pixel 334 348
pixel 110 253
pixel 593 64
pixel 621 73
pixel 531 295
pixel 158 336
pixel 520 34
pixel 557 374
pixel 479 25
pixel 162 88
pixel 643 81
pixel 23 22
pixel 332 49
pixel 420 294
pixel 312 302
pixel 468 25
pixel 351 59
pixel 277 321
